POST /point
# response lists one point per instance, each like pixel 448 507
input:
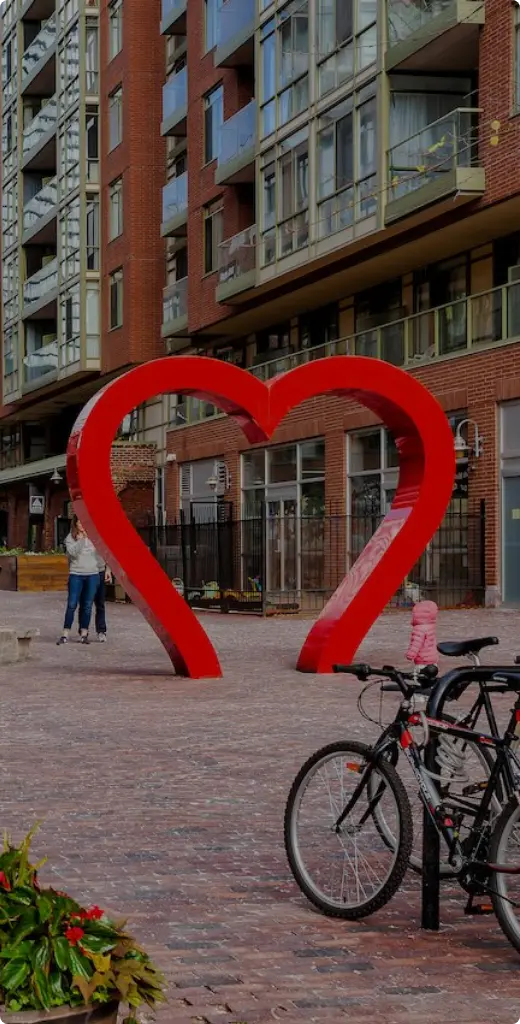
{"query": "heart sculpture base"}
pixel 426 474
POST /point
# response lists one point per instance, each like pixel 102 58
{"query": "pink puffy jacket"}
pixel 423 641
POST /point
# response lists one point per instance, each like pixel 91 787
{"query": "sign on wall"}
pixel 36 505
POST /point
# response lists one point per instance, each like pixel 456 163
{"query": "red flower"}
pixel 73 935
pixel 94 914
pixel 4 881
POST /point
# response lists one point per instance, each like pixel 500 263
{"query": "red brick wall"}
pixel 141 160
pixel 474 382
pixel 238 90
pixel 495 99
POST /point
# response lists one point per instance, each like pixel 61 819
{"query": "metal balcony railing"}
pixel 41 204
pixel 238 134
pixel 45 280
pixel 175 197
pixel 41 43
pixel 42 361
pixel 439 147
pixel 175 301
pixel 40 125
pixel 237 255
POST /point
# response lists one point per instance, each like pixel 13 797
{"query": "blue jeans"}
pixel 82 591
pixel 99 601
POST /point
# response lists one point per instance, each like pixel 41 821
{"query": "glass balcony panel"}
pixel 486 317
pixel 237 255
pixel 453 327
pixel 437 148
pixel 41 204
pixel 234 18
pixel 422 336
pixel 513 310
pixel 175 197
pixel 238 134
pixel 407 18
pixel 35 51
pixel 170 6
pixel 175 94
pixel 392 343
pixel 41 361
pixel 366 344
pixel 175 301
pixel 45 280
pixel 44 121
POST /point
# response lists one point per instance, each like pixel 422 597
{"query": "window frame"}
pixel 115 102
pixel 115 28
pixel 212 99
pixel 116 285
pixel 211 22
pixel 213 221
pixel 115 189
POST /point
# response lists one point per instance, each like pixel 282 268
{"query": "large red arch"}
pixel 426 476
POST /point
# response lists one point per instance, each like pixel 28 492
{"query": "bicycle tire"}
pixel 402 855
pixel 503 909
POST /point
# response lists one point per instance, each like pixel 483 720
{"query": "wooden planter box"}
pixel 65 1015
pixel 34 572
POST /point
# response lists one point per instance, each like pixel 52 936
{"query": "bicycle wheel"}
pixel 504 848
pixel 352 873
pixel 475 768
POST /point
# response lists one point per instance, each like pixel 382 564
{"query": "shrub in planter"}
pixel 55 954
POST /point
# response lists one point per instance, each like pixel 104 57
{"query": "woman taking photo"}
pixel 85 566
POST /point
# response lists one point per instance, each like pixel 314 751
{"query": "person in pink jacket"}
pixel 423 641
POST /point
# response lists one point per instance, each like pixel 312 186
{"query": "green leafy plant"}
pixel 54 952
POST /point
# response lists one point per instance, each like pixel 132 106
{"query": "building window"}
pixel 317 330
pixel 115 118
pixel 92 228
pixel 115 19
pixel 115 202
pixel 213 234
pixel 285 198
pixel 213 120
pixel 210 24
pixel 92 59
pixel 516 98
pixel 284 88
pixel 347 40
pixel 92 147
pixel 347 163
pixel 116 298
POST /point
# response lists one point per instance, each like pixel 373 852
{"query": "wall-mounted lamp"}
pixel 212 482
pixel 56 477
pixel 462 447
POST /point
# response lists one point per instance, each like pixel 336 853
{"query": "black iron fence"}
pixel 296 563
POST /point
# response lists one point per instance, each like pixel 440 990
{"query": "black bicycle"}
pixel 349 826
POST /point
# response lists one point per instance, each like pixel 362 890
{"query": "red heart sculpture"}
pixel 426 475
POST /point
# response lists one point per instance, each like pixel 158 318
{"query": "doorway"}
pixel 511 538
pixel 282 561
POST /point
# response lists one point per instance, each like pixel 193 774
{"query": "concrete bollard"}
pixel 15 646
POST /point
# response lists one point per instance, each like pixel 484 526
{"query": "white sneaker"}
pixel 102 638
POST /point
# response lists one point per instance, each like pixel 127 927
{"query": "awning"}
pixel 43 467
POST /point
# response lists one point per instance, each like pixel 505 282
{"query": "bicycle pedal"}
pixel 477 909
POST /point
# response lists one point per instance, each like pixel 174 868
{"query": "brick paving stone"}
pixel 163 798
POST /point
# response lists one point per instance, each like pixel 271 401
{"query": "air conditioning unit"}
pixel 513 274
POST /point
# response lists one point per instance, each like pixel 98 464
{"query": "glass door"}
pixel 282 544
pixel 511 538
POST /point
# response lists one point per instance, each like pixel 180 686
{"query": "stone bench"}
pixel 15 645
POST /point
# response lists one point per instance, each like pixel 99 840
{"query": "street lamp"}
pixel 461 445
pixel 56 478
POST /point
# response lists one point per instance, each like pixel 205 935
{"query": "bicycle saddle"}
pixel 457 648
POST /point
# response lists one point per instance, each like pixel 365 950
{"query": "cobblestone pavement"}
pixel 164 798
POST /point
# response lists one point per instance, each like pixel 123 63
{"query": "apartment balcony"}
pixel 39 63
pixel 41 365
pixel 175 105
pixel 41 291
pixel 437 163
pixel 175 208
pixel 39 139
pixel 175 308
pixel 236 160
pixel 173 18
pixel 39 215
pixel 37 10
pixel 236 34
pixel 433 35
pixel 236 265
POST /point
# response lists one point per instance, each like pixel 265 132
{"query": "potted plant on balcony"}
pixel 61 962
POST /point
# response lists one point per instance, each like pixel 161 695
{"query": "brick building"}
pixel 338 177
pixel 82 256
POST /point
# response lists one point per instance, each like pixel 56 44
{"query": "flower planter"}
pixel 34 573
pixel 65 1015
